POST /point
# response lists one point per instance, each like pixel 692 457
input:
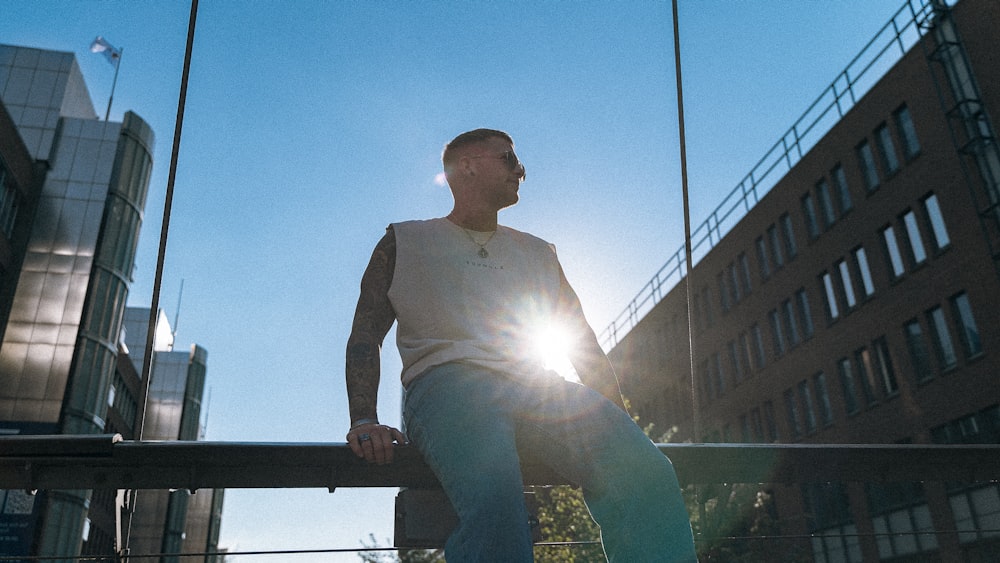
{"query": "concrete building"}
pixel 855 299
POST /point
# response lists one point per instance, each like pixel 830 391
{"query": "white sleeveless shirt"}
pixel 452 305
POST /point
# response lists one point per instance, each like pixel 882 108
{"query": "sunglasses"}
pixel 509 158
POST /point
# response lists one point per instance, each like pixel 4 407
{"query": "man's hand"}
pixel 375 442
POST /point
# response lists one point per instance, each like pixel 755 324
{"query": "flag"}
pixel 101 46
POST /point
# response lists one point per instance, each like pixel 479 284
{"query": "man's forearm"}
pixel 362 376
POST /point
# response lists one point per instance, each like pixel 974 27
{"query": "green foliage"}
pixel 402 556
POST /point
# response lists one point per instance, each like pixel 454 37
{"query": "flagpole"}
pixel 118 63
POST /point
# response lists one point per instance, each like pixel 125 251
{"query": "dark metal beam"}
pixel 107 462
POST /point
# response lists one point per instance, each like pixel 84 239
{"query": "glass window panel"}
pixel 907 132
pixel 805 398
pixel 840 186
pixel 887 149
pixel 861 260
pixel 943 346
pixel 866 161
pixel 791 324
pixel 892 248
pixel 845 280
pixel 936 219
pixel 919 353
pixel 809 213
pixel 805 314
pixel 776 333
pixel 744 265
pixel 758 346
pixel 884 366
pixel 772 236
pixel 823 398
pixel 968 331
pixel 832 309
pixel 789 235
pixel 762 259
pixel 918 253
pixel 863 362
pixel 825 203
pixel 734 284
pixel 792 412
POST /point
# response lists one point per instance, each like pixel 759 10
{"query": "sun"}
pixel 553 345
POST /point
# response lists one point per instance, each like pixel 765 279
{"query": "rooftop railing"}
pixel 892 41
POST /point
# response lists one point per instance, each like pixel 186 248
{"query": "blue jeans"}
pixel 468 423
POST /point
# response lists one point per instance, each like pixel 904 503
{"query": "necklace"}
pixel 483 253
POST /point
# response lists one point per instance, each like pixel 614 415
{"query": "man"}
pixel 469 297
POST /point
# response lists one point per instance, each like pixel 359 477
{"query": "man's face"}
pixel 498 172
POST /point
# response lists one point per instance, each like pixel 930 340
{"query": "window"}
pixel 744 266
pixel 920 356
pixel 762 260
pixel 789 235
pixel 841 188
pixel 734 284
pixel 892 251
pixel 9 203
pixel 809 212
pixel 805 314
pixel 772 237
pixel 720 375
pixel 734 360
pixel 832 309
pixel 863 362
pixel 907 132
pixel 791 323
pixel 758 425
pixel 792 413
pixel 848 385
pixel 861 261
pixel 887 149
pixel 744 429
pixel 823 398
pixel 776 333
pixel 883 365
pixel 866 160
pixel 770 421
pixel 745 351
pixel 943 347
pixel 967 331
pixel 696 312
pixel 825 204
pixel 917 252
pixel 723 291
pixel 758 347
pixel 936 220
pixel 845 279
pixel 809 413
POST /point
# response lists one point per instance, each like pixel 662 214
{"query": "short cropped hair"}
pixel 448 157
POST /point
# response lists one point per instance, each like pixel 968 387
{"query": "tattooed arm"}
pixel 373 318
pixel 588 358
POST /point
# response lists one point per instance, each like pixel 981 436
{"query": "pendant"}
pixel 483 253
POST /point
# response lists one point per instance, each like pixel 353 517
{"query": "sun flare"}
pixel 552 344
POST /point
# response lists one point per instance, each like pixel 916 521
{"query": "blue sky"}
pixel 311 125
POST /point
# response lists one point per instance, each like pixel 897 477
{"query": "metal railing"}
pixel 889 44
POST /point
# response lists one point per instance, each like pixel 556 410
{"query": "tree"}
pixel 377 555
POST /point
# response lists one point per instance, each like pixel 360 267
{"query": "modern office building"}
pixel 60 338
pixel 178 521
pixel 855 298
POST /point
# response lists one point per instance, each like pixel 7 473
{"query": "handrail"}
pixel 841 95
pixel 73 462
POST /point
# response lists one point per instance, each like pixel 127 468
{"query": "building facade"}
pixel 71 207
pixel 856 302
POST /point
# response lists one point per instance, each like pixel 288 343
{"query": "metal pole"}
pixel 118 64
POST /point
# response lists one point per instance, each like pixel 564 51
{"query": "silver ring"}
pixel 364 437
